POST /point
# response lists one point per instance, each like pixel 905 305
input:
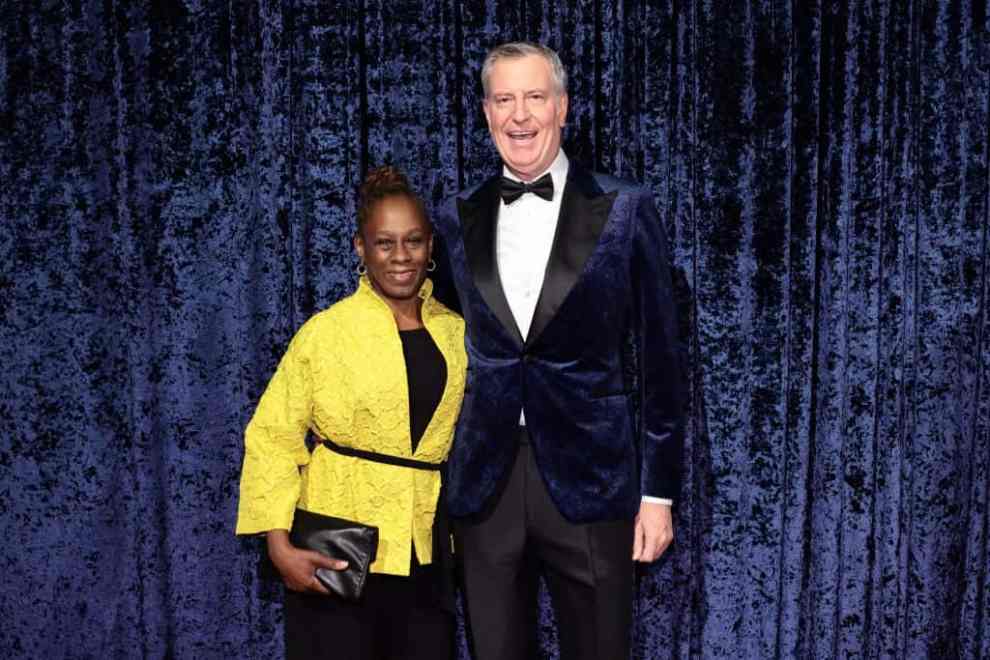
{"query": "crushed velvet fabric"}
pixel 177 196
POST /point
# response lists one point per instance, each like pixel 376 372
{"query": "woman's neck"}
pixel 407 313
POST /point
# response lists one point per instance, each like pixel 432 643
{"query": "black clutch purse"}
pixel 338 539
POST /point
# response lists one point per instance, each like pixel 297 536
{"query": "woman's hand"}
pixel 298 567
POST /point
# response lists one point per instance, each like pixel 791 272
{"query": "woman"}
pixel 381 371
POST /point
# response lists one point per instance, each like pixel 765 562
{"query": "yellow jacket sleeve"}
pixel 275 443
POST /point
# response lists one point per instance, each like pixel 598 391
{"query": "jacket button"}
pixel 527 357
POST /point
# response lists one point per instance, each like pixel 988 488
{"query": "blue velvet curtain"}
pixel 177 195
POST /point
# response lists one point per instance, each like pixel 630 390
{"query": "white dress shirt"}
pixel 523 240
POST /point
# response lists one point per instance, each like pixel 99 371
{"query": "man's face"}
pixel 525 114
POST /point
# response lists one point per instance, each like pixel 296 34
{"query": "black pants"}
pixel 397 618
pixel 588 567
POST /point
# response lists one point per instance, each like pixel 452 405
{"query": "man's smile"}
pixel 521 136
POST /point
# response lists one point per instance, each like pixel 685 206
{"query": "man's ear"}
pixel 487 110
pixel 562 111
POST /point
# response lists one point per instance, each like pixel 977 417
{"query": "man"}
pixel 569 440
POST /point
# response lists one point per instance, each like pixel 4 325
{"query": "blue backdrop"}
pixel 177 195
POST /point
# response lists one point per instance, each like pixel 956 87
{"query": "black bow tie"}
pixel 512 190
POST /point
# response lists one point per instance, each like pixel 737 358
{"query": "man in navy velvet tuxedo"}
pixel 568 446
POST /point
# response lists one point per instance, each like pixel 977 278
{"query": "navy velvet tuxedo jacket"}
pixel 598 375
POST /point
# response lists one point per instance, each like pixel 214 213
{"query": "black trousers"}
pixel 588 567
pixel 397 618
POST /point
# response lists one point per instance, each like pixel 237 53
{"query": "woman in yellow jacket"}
pixel 382 371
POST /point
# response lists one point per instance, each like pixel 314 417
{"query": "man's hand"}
pixel 654 531
pixel 298 567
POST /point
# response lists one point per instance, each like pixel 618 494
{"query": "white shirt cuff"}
pixel 658 500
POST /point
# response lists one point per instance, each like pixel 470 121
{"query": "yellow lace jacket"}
pixel 344 377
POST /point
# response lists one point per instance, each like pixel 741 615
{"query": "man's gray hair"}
pixel 517 49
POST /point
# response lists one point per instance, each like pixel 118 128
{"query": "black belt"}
pixel 375 457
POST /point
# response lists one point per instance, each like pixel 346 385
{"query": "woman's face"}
pixel 395 244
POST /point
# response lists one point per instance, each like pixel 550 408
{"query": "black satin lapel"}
pixel 479 214
pixel 584 211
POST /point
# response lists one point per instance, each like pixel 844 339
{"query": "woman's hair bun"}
pixel 382 182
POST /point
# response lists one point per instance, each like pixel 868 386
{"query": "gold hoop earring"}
pixel 362 269
pixel 432 266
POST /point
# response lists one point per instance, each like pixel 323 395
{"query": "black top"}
pixel 426 373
